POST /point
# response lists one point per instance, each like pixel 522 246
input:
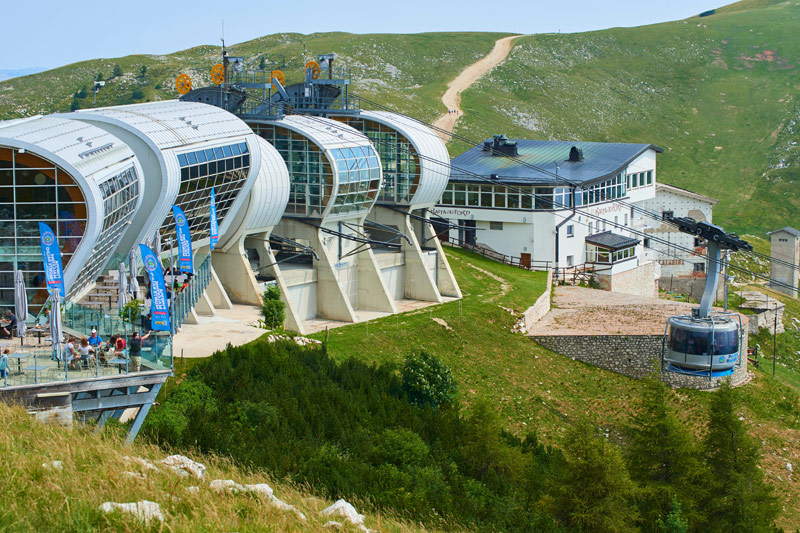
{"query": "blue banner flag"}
pixel 51 257
pixel 159 306
pixel 214 226
pixel 184 240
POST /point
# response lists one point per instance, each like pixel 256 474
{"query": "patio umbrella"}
pixel 123 286
pixel 134 288
pixel 20 305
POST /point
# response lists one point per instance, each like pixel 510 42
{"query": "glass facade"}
pixel 596 254
pixel 501 197
pixel 33 190
pixel 401 166
pixel 602 192
pixel 224 168
pixel 311 173
pixel 120 195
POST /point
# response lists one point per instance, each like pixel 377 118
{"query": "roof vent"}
pixel 502 146
pixel 575 154
pixel 487 146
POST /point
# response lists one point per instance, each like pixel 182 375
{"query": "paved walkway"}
pixel 213 333
pixel 452 97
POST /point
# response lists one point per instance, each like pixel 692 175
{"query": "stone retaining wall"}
pixel 635 356
pixel 542 305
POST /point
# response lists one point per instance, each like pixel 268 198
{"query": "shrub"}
pixel 272 307
pixel 131 311
pixel 427 381
pixel 117 70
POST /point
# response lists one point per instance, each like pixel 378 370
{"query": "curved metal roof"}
pixel 174 123
pixel 435 160
pixel 600 161
pixel 87 148
pixel 162 127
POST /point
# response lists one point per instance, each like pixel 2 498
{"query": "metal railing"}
pixel 497 256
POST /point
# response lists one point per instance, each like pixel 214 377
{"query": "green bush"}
pixel 272 307
pixel 131 311
pixel 427 381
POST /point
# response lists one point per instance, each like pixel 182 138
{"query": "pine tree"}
pixel 117 70
pixel 738 499
pixel 662 457
pixel 595 492
pixel 674 522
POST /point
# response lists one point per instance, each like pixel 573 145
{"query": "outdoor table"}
pixel 118 361
pixel 19 356
pixel 36 369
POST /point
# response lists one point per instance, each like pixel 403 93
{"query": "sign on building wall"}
pixel 184 240
pixel 51 257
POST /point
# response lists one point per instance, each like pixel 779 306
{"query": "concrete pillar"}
pixel 332 301
pixel 216 292
pixel 372 290
pixel 236 276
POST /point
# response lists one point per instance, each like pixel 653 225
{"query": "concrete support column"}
pixel 236 276
pixel 447 284
pixel 216 291
pixel 372 290
pixel 332 301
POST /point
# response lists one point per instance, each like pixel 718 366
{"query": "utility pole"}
pixel 774 339
pixel 727 258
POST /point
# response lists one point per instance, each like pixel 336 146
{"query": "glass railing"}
pixel 186 299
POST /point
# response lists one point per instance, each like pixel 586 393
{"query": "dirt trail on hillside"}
pixel 452 96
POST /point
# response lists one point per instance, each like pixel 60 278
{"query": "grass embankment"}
pixel 37 498
pixel 536 389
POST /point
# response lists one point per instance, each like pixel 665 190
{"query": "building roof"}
pixel 87 148
pixel 788 229
pixel 611 241
pixel 174 123
pixel 686 192
pixel 600 161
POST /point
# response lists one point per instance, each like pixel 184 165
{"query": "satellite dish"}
pixel 314 66
pixel 183 83
pixel 218 74
pixel 278 75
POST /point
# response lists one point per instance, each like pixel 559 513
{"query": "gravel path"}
pixel 582 311
pixel 452 97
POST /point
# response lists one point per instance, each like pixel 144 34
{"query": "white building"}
pixel 785 248
pixel 545 202
pixel 681 271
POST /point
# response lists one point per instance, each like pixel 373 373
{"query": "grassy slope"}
pixel 698 88
pixel 408 71
pixel 536 389
pixel 35 498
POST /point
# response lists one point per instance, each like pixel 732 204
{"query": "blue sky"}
pixel 54 33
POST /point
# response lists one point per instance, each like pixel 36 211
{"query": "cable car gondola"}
pixel 703 343
pixel 707 345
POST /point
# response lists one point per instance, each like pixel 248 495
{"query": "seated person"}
pixel 119 346
pixel 86 353
pixel 44 320
pixel 71 355
pixel 8 324
pixel 95 341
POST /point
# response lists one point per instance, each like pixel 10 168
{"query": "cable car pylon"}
pixel 705 343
